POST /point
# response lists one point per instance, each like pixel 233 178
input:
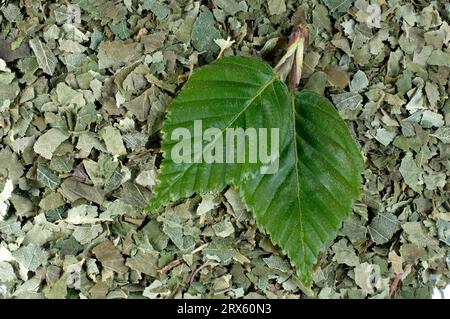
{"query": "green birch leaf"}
pixel 303 205
pixel 233 92
pixel 44 56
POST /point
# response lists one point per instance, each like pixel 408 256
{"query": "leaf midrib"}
pixel 296 172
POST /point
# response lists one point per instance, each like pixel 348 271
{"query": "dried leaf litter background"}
pixel 83 89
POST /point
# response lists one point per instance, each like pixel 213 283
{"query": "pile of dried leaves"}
pixel 83 89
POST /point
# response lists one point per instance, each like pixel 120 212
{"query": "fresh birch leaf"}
pixel 302 204
pixel 44 56
pixel 232 92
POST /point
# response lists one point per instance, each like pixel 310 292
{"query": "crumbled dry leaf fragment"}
pixel 47 143
pixel 110 257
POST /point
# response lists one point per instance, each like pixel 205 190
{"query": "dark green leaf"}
pixel 232 92
pixel 304 204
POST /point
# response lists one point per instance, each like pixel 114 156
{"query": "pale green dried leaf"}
pixel 145 262
pixel 443 133
pixel 204 33
pixel 113 140
pixel 31 256
pixel 276 6
pixel 47 143
pixel 113 54
pixel 345 254
pixel 46 59
pixel 338 6
pixel 58 290
pixel 110 257
pixel 46 177
pixel 383 227
pixel 411 172
pixel 223 228
pixel 85 234
pixel 6 272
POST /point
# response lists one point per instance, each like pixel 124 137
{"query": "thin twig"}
pixel 394 285
pixel 194 274
pixel 219 292
pixel 170 266
pixel 178 261
pixel 149 150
